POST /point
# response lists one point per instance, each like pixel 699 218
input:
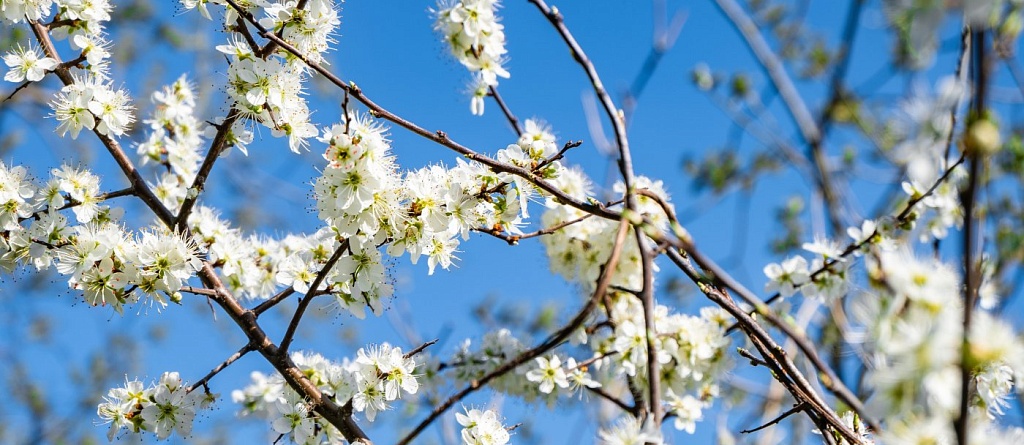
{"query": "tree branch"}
pixel 304 302
pixel 799 407
pixel 227 362
pixel 493 92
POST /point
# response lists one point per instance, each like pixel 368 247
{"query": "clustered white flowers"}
pixel 629 431
pixel 162 408
pixel 267 83
pixel 482 427
pixel 425 212
pixel 174 142
pixel 824 278
pixel 90 101
pixel 107 263
pixel 691 349
pixel 913 320
pixel 379 374
pixel 472 32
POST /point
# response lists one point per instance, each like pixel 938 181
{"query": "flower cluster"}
pixel 425 212
pixel 629 430
pixel 690 349
pixel 310 29
pixel 163 408
pixel 269 91
pixel 268 88
pixel 17 10
pixel 913 325
pixel 482 428
pixel 173 142
pixel 378 375
pixel 824 278
pixel 477 40
pixel 255 267
pixel 110 266
pixel 91 103
pixel 579 251
pixel 941 210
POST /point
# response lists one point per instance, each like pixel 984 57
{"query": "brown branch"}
pixel 828 380
pixel 420 348
pixel 199 291
pixel 304 302
pixel 775 357
pixel 16 90
pixel 227 362
pixel 561 154
pixel 273 301
pixel 610 398
pixel 493 92
pixel 220 142
pixel 977 164
pixel 514 239
pixel 799 407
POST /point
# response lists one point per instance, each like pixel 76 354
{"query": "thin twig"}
pixel 273 301
pixel 799 407
pixel 304 302
pixel 514 239
pixel 561 154
pixel 16 90
pixel 72 203
pixel 604 395
pixel 420 348
pixel 202 382
pixel 199 291
pixel 220 142
pixel 493 92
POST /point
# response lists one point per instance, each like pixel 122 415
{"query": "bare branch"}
pixel 512 120
pixel 799 407
pixel 227 362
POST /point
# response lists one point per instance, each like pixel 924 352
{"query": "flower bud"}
pixel 982 137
